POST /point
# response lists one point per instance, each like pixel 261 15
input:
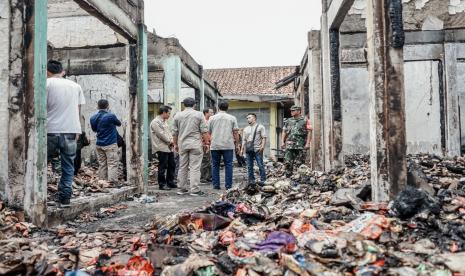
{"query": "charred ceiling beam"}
pixel 112 15
pixel 337 11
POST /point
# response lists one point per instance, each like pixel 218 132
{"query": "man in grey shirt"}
pixel 253 146
pixel 189 129
pixel 224 140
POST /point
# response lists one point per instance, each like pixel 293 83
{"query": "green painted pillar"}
pixel 142 87
pixel 172 82
pixel 35 199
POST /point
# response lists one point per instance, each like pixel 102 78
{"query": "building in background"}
pixel 265 91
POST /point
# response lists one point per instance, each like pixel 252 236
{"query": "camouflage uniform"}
pixel 296 129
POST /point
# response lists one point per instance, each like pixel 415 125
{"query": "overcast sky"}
pixel 237 33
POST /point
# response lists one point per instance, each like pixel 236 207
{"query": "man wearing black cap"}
pixel 296 137
pixel 189 134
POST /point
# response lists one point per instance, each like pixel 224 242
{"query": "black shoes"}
pixel 65 203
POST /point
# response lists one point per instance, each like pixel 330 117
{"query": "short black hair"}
pixel 206 110
pixel 54 66
pixel 253 114
pixel 189 102
pixel 103 104
pixel 223 105
pixel 164 109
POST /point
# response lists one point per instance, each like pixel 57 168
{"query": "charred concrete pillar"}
pixel 452 107
pixel 172 82
pixel 4 92
pixel 14 189
pixel 336 140
pixel 138 133
pixel 326 99
pixel 315 99
pixel 387 98
pixel 202 90
pixel 332 118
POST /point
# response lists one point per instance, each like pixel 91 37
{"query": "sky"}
pixel 237 33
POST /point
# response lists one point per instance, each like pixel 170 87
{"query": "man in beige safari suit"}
pixel 162 145
pixel 190 139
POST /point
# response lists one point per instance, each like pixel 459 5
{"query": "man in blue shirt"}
pixel 105 123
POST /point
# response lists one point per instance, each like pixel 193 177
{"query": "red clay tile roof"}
pixel 252 80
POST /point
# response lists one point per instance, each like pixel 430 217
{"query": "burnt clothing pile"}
pixel 319 223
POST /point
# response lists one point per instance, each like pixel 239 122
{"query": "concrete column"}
pixel 452 105
pixel 14 189
pixel 172 82
pixel 327 105
pixel 315 99
pixel 336 127
pixel 387 98
pixel 35 184
pixel 138 134
pixel 202 91
pixel 4 80
pixel 142 89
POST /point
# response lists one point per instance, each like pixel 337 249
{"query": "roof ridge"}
pixel 254 67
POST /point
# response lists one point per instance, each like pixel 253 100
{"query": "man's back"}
pixel 63 100
pixel 188 126
pixel 104 123
pixel 222 127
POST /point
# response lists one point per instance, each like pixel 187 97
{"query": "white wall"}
pixel 355 107
pixel 71 26
pixel 110 87
pixel 423 125
pixel 422 105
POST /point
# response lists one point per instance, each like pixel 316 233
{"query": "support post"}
pixel 35 198
pixel 5 31
pixel 142 88
pixel 202 90
pixel 326 76
pixel 336 128
pixel 452 107
pixel 315 99
pixel 387 98
pixel 17 145
pixel 172 82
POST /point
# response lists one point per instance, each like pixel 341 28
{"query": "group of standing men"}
pixel 202 140
pixel 65 137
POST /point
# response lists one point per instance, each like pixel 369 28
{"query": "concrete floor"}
pixel 138 214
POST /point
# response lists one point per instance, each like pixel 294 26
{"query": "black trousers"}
pixel 166 168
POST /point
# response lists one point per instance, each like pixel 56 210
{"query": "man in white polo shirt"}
pixel 64 100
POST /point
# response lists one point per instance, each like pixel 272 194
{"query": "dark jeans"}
pixel 228 156
pixel 64 146
pixel 166 168
pixel 251 156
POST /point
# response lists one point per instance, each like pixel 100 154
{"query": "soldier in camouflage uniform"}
pixel 295 139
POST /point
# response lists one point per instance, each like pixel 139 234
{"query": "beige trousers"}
pixel 190 161
pixel 108 160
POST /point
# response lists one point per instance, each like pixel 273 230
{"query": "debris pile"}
pixel 323 224
pixel 85 183
pixel 314 223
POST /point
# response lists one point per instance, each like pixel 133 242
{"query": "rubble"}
pixel 324 224
pixel 315 223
